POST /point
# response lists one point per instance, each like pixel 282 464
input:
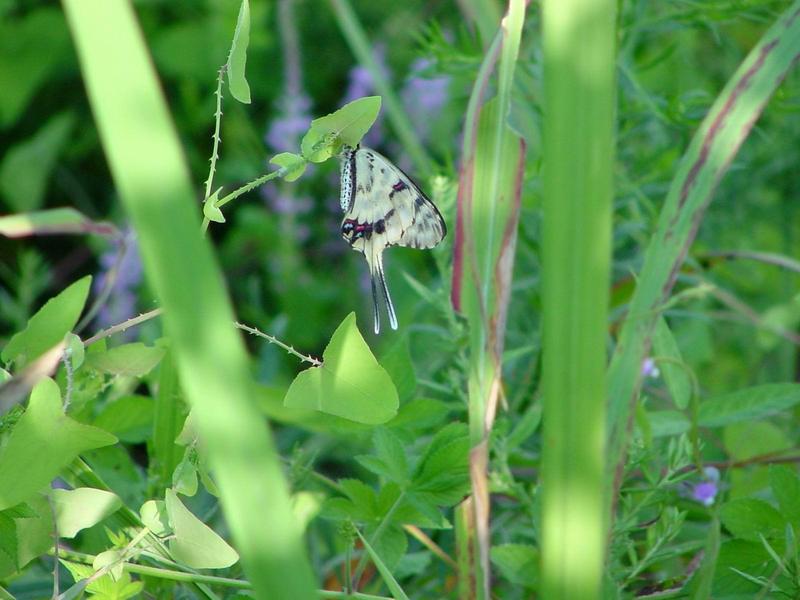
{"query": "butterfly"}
pixel 383 207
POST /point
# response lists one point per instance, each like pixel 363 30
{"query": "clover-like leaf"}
pixel 350 383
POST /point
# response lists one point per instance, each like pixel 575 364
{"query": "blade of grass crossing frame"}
pixel 578 142
pixel 486 229
pixel 150 171
pixel 710 152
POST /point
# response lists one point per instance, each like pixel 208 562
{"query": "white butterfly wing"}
pixel 384 207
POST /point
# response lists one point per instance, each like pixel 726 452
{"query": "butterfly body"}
pixel 383 207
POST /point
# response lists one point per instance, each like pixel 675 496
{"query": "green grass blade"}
pixel 710 153
pixel 579 59
pixel 149 169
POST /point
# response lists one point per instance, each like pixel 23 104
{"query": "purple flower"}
pixel 360 84
pixel 121 302
pixel 706 491
pixel 292 122
pixel 649 368
pixel 423 97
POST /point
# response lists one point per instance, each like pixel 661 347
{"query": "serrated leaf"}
pixel 133 360
pixel 346 126
pixel 42 443
pixel 211 211
pixel 294 164
pixel 48 326
pixel 673 368
pixel 237 59
pixel 130 418
pixel 519 563
pixel 195 544
pixel 749 518
pixel 20 511
pixel 748 404
pixel 420 414
pixel 390 459
pixel 442 475
pixel 82 508
pixel 349 384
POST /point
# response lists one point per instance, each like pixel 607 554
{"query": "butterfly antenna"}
pixel 385 289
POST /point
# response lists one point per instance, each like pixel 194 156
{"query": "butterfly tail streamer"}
pixel 375 309
pixel 385 289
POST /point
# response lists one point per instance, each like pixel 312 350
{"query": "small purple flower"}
pixel 423 97
pixel 121 302
pixel 292 122
pixel 649 368
pixel 706 491
pixel 360 84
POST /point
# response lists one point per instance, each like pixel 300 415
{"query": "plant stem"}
pixel 273 340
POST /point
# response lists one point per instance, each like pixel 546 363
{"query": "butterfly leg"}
pixel 385 289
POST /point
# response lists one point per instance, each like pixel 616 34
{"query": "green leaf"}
pixel 48 326
pixel 519 563
pixel 8 538
pixel 785 486
pixel 195 544
pixel 42 443
pixel 294 164
pixel 111 559
pixel 391 583
pixel 746 440
pixel 154 516
pixel 349 384
pixel 82 508
pixel 26 167
pixel 748 518
pixel 397 362
pixel 668 423
pixel 699 586
pixel 130 418
pixel 184 479
pixel 748 404
pixel 34 535
pixel 390 459
pixel 237 58
pixel 53 221
pixel 390 545
pixel 346 126
pixel 133 360
pixel 211 211
pixel 673 368
pixel 27 58
pixel 442 476
pixel 74 350
pixel 420 414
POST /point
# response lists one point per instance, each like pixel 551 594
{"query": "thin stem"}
pixel 66 358
pixel 244 189
pixel 362 563
pixel 123 326
pixel 180 576
pixel 769 258
pixel 423 539
pixel 56 581
pixel 273 340
pixel 108 285
pixel 216 137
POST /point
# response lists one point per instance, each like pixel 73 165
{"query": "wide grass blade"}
pixel 489 191
pixel 579 59
pixel 710 153
pixel 151 174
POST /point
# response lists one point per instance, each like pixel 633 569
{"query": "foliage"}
pixel 110 415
